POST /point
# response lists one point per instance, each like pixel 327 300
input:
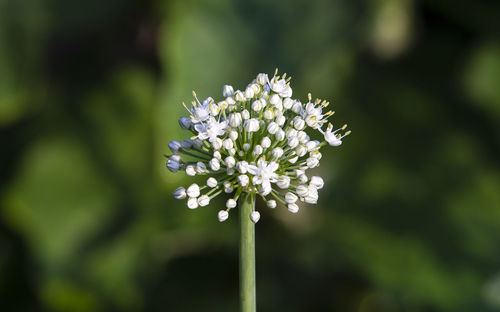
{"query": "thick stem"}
pixel 247 253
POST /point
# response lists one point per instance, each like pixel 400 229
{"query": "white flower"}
pixel 254 141
pixel 332 138
pixel 264 174
pixel 223 215
pixel 200 112
pixel 211 129
pixel 180 193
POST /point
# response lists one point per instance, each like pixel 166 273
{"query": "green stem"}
pixel 247 253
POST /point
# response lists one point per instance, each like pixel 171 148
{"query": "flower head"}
pixel 256 140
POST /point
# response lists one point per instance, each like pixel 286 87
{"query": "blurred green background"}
pixel 90 95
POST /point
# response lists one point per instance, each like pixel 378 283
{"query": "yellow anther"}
pixel 309 96
pixel 194 93
pixel 284 76
pixel 276 71
pixel 317 101
pixel 344 126
pixel 347 133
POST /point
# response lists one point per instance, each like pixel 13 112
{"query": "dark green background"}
pixel 90 94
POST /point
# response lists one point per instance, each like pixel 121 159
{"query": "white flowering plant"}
pixel 253 142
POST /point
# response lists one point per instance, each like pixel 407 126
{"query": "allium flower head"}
pixel 256 140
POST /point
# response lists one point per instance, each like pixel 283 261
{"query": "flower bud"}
pixel 277 152
pixel 230 161
pixel 275 100
pixel 290 197
pixel 303 137
pixel 197 144
pixel 287 103
pixel 243 180
pixel 245 114
pixel 235 120
pixel 302 190
pixel 222 215
pixel 230 203
pixel 266 142
pixel 280 135
pixel 239 96
pixel 252 125
pixel 312 162
pixel 214 164
pixel 186 144
pixel 271 203
pixel 174 146
pixel 299 123
pixel 227 90
pixel 228 187
pixel 173 165
pixel 297 108
pixel 190 170
pixel 185 123
pixel 293 142
pixel 201 167
pixel 301 150
pixel 193 190
pixel 257 105
pixel 233 135
pixel 228 144
pixel 317 182
pixel 283 182
pixel 293 208
pixel 262 79
pixel 180 193
pixel 255 216
pixel 273 127
pixel 203 200
pixel 217 144
pixel 268 114
pixel 211 182
pixel 249 92
pixel 302 178
pixel 257 150
pixel 280 120
pixel 192 203
pixel 242 166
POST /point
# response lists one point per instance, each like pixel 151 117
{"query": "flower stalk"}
pixel 247 253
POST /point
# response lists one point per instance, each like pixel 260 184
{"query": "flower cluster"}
pixel 253 141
